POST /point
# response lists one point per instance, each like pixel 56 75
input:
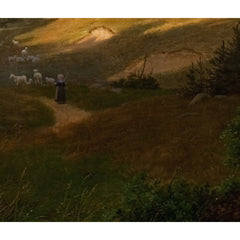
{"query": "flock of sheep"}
pixel 37 79
pixel 25 57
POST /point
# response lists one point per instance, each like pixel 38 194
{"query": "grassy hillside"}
pixel 59 42
pixel 77 173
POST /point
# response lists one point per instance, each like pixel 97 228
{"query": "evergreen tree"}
pixel 234 61
pixel 225 67
pixel 223 74
pixel 196 79
pixel 218 82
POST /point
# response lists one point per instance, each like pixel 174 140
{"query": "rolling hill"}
pixel 71 162
pixel 98 50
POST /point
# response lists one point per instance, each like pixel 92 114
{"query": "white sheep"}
pixel 1 43
pixel 30 81
pixel 25 52
pixel 20 59
pixel 18 79
pixel 12 58
pixel 15 42
pixel 30 57
pixel 50 80
pixel 35 59
pixel 37 76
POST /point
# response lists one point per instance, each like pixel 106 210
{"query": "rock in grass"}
pixel 220 96
pixel 116 90
pixel 199 98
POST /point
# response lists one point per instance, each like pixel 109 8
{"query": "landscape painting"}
pixel 119 120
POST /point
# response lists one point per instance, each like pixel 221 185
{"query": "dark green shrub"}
pixel 152 201
pixel 231 137
pixel 230 186
pixel 196 82
pixel 134 81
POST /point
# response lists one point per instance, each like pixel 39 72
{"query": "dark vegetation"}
pixel 219 76
pixel 37 184
pixel 135 81
pixel 150 200
pixel 138 79
pixel 231 136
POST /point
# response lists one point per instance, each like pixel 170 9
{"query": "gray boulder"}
pixel 199 98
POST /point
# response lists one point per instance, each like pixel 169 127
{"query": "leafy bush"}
pixel 231 137
pixel 152 201
pixel 230 186
pixel 138 79
pixel 135 81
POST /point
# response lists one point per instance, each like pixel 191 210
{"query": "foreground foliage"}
pixel 146 200
pixel 231 136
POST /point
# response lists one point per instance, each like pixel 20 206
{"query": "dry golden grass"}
pixel 73 29
pixel 61 44
pixel 155 135
pixel 158 135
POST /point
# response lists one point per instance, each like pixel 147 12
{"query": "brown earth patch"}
pixel 94 36
pixel 65 114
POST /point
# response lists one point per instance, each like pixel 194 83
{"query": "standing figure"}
pixel 60 96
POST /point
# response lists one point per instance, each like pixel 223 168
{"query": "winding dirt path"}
pixel 65 114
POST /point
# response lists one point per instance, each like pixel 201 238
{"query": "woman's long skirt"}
pixel 60 96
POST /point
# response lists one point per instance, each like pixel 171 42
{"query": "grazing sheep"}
pixel 50 80
pixel 24 52
pixel 12 58
pixel 37 76
pixel 30 81
pixel 15 42
pixel 20 59
pixel 18 79
pixel 35 59
pixel 1 43
pixel 29 58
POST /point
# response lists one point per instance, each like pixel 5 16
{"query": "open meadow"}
pixel 130 143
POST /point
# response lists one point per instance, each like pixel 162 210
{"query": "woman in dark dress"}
pixel 60 96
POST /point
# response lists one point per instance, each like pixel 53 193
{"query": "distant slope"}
pixel 96 50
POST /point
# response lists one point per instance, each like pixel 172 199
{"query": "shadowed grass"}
pixel 94 99
pixel 22 113
pixel 53 189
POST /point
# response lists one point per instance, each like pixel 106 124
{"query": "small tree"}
pixel 223 74
pixel 225 66
pixel 234 61
pixel 196 79
pixel 218 82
